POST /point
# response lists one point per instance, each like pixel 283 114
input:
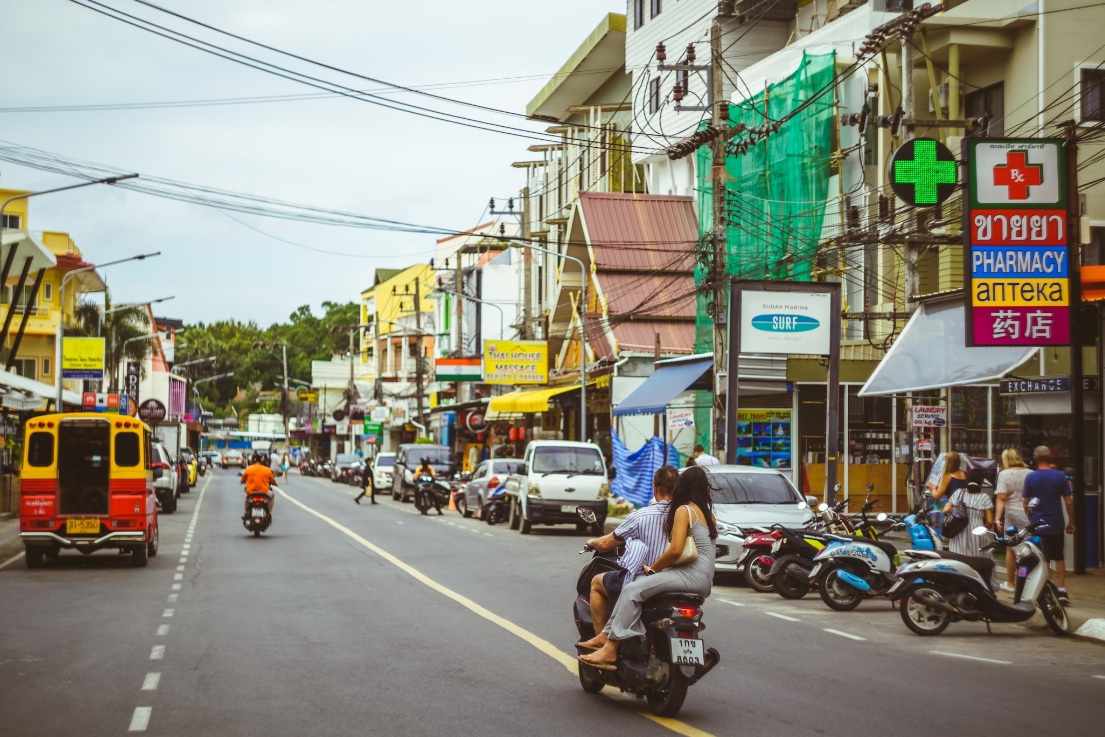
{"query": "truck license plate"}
pixel 686 652
pixel 82 526
pixel 568 508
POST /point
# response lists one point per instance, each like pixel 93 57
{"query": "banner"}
pixel 516 362
pixel 680 418
pixel 1018 266
pixel 930 416
pixel 457 369
pixel 82 358
pixel 134 370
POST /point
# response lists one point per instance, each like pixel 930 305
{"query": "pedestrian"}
pixel 1049 488
pixel 702 458
pixel 368 485
pixel 284 462
pixel 980 513
pixel 953 477
pixel 1009 506
pixel 274 463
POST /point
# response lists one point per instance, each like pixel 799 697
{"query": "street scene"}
pixel 696 368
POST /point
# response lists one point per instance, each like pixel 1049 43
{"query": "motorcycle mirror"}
pixel 822 507
pixel 802 505
pixel 586 515
pixel 870 487
pixel 1033 503
pixel 836 488
pixel 882 517
pixel 979 531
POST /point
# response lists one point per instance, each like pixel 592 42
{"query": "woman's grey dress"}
pixel 695 577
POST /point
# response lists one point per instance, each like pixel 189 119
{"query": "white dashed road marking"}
pixel 731 603
pixel 168 613
pixel 845 634
pixel 162 630
pixel 141 719
pixel 152 679
pixel 971 657
pixel 173 597
pixel 157 653
pixel 175 587
pixel 782 616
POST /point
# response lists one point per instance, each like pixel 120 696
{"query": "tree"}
pixel 118 327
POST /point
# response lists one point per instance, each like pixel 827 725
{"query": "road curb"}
pixel 1092 630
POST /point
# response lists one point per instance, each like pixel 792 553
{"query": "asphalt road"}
pixel 346 619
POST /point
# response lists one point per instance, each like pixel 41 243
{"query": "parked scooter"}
pixel 851 569
pixel 939 587
pixel 659 667
pixel 497 507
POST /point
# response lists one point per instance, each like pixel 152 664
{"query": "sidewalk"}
pixel 10 544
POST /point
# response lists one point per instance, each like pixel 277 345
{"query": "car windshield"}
pixel 385 461
pixel 551 459
pixel 507 466
pixel 437 456
pixel 348 458
pixel 752 488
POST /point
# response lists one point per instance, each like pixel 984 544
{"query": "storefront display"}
pixel 763 438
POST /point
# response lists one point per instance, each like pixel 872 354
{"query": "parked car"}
pixel 233 457
pixel 407 460
pixel 191 464
pixel 752 499
pixel 555 477
pixel 166 486
pixel 488 476
pixel 382 466
pixel 342 462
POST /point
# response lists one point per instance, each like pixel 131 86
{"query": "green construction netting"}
pixel 776 191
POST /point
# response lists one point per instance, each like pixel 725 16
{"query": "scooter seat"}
pixel 985 566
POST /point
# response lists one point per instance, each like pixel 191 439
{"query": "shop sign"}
pixel 82 358
pixel 924 416
pixel 151 411
pixel 924 445
pixel 785 322
pixel 457 369
pixel 94 402
pixel 134 369
pixel 923 172
pixel 680 418
pixel 763 438
pixel 308 396
pixel 475 422
pixel 1017 260
pixel 373 428
pixel 380 414
pixel 1044 385
pixel 342 428
pixel 516 362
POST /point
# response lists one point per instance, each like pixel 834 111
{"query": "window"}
pixel 25 367
pixel 749 488
pixel 40 449
pixel 989 100
pixel 1093 253
pixel 1092 83
pixel 654 95
pixel 567 459
pixel 655 8
pixel 126 449
pixel 507 466
pixel 147 444
pixel 45 366
pixel 11 221
pixel 638 13
pixel 47 292
pixel 23 298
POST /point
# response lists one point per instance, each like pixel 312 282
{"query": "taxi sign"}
pixel 923 172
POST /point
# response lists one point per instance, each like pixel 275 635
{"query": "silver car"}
pixel 488 476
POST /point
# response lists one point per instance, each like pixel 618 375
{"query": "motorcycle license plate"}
pixel 82 526
pixel 568 508
pixel 686 652
pixel 258 513
pixel 813 573
pixel 897 585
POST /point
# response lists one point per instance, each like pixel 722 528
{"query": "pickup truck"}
pixel 554 478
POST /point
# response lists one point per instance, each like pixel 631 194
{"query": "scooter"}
pixel 939 587
pixel 425 496
pixel 497 507
pixel 659 667
pixel 851 569
pixel 258 517
pixel 790 573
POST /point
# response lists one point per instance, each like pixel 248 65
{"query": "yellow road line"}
pixel 538 642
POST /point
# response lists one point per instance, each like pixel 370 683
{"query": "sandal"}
pixel 596 664
pixel 587 646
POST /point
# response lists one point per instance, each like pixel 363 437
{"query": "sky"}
pixel 336 153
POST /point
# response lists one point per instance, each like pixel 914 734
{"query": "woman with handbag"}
pixel 686 565
pixel 973 506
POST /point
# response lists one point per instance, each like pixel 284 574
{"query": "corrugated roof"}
pixel 382 275
pixel 640 335
pixel 640 231
pixel 648 294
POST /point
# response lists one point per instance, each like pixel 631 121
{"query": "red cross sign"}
pixel 1017 174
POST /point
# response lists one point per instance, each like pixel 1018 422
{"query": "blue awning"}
pixel 665 384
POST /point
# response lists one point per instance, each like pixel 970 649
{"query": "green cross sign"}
pixel 923 172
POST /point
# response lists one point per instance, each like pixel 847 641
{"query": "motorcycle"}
pixel 851 569
pixel 940 587
pixel 660 666
pixel 425 494
pixel 497 507
pixel 258 517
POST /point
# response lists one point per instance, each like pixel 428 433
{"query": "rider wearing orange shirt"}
pixel 257 478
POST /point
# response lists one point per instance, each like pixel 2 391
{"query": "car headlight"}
pixel 534 491
pixel 604 492
pixel 727 529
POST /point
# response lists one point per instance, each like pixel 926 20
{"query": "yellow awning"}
pixel 531 400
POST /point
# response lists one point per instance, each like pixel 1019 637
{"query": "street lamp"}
pixel 582 333
pixel 127 306
pixel 28 195
pixel 197 382
pixel 191 363
pixel 502 319
pixel 61 320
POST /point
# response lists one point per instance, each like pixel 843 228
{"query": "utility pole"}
pixel 460 307
pixel 719 271
pixel 287 400
pixel 1078 444
pixel 418 368
pixel 352 392
pixel 913 251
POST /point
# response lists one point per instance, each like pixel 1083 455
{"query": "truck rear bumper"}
pixel 116 539
pixel 552 512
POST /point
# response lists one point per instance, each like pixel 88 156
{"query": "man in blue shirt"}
pixel 642 534
pixel 1048 486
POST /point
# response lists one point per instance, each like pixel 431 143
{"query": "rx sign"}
pixel 923 172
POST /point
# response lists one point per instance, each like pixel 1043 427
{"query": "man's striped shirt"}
pixel 644 536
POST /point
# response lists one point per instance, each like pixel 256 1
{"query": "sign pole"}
pixel 1078 439
pixel 732 388
pixel 832 442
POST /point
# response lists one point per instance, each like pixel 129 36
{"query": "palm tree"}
pixel 117 327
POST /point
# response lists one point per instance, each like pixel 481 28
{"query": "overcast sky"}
pixel 335 153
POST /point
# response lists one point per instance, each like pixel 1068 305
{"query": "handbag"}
pixel 690 550
pixel 957 518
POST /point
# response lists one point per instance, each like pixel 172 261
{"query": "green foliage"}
pixel 118 327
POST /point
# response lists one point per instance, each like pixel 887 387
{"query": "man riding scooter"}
pixel 426 469
pixel 258 478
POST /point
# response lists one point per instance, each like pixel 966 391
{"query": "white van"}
pixel 555 477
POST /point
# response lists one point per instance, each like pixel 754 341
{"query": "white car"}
pixel 382 466
pixel 233 457
pixel 557 476
pixel 166 486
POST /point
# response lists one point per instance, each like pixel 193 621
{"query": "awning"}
pixel 931 354
pixel 13 384
pixel 533 400
pixel 665 384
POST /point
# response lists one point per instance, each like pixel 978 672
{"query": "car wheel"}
pixel 524 525
pixel 35 557
pixel 513 514
pixel 139 557
pixel 154 542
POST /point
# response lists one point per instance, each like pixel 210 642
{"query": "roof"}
pixel 640 336
pixel 640 231
pixel 382 275
pixel 648 293
pixel 473 231
pixel 583 74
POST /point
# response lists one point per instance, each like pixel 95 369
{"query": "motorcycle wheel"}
pixel 1054 612
pixel 920 619
pixel 757 575
pixel 257 533
pixel 837 595
pixel 589 678
pixel 790 586
pixel 667 700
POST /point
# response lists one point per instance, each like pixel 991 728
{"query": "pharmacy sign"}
pixel 923 172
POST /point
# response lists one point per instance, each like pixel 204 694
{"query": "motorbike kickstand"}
pixel 988 627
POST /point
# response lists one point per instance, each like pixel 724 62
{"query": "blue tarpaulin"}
pixel 665 384
pixel 633 480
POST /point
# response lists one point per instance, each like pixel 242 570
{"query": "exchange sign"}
pixel 923 173
pixel 1017 259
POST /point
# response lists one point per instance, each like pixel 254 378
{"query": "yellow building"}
pixel 390 302
pixel 56 254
